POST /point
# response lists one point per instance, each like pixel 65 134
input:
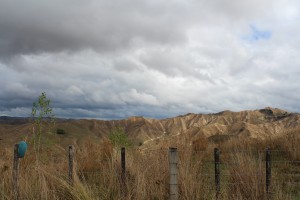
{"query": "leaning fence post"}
pixel 173 160
pixel 217 171
pixel 71 165
pixel 268 172
pixel 16 173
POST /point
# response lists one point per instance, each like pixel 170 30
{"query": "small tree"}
pixel 43 121
pixel 119 138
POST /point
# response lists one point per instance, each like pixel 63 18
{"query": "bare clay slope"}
pixel 259 124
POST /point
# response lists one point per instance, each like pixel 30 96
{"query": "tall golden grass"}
pixel 97 166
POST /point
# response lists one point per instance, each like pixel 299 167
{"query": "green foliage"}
pixel 43 122
pixel 60 131
pixel 119 138
pixel 41 109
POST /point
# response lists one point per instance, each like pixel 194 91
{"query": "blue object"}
pixel 22 149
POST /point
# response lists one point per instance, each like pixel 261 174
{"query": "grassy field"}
pixel 97 167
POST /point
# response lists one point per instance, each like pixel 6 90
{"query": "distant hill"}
pixel 13 120
pixel 260 124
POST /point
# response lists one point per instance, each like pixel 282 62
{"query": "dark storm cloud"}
pixel 29 27
pixel 114 59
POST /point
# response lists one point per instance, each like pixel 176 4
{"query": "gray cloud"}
pixel 114 59
pixel 54 26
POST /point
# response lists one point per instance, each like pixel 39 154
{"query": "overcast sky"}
pixel 111 59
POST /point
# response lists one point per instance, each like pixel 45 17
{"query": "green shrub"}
pixel 119 138
pixel 60 131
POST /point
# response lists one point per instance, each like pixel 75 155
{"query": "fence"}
pixel 178 171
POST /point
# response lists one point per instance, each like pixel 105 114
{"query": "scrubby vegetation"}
pixel 60 131
pixel 44 170
pixel 98 171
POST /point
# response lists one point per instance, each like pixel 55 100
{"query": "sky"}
pixel 158 59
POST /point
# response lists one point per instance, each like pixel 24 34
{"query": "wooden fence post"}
pixel 123 173
pixel 268 172
pixel 15 173
pixel 173 161
pixel 71 165
pixel 217 171
pixel 123 164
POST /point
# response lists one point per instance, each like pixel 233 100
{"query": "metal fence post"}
pixel 173 160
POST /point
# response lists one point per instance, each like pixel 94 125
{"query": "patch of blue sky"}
pixel 257 34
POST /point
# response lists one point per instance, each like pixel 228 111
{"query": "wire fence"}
pixel 227 174
pixel 214 172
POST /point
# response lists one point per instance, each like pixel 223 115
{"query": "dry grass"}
pixel 98 171
pixel 246 177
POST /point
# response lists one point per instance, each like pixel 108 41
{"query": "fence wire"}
pixel 195 170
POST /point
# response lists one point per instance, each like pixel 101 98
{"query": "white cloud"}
pixel 138 98
pixel 113 59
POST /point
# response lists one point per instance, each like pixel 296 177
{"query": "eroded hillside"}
pixel 261 124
